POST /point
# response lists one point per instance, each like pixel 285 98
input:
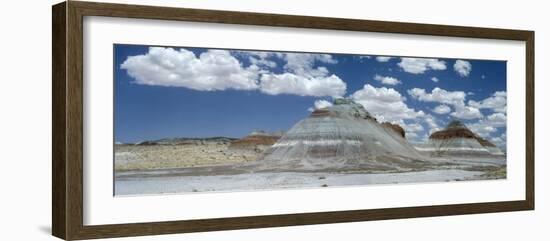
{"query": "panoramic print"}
pixel 195 120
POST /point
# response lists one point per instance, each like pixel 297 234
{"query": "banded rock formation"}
pixel 342 136
pixel 457 140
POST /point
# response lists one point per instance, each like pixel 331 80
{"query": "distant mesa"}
pixel 147 143
pixel 256 139
pixel 342 136
pixel 187 141
pixel 457 140
pixel 455 129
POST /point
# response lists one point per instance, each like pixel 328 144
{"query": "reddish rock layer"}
pixel 457 129
pixel 453 133
pixel 395 127
pixel 254 140
pixel 321 113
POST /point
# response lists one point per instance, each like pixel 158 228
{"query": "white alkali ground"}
pixel 267 181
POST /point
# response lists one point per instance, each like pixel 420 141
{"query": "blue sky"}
pixel 165 92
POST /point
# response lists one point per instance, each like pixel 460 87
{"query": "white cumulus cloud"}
pixel 454 98
pixel 421 65
pixel 262 59
pixel 497 120
pixel 438 95
pixel 362 57
pixel 482 129
pixel 386 104
pixel 462 67
pixel 432 123
pixel 387 80
pixel 321 104
pixel 488 125
pixel 466 112
pixel 411 129
pixel 303 63
pixel 383 58
pixel 211 70
pixel 488 128
pixel 220 70
pixel 289 83
pixel 303 78
pixel 500 141
pixel 442 109
pixel 496 102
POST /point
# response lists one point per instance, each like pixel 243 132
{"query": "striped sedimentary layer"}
pixel 343 136
pixel 494 150
pixel 457 146
pixel 457 140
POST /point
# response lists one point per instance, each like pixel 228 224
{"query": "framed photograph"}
pixel 171 120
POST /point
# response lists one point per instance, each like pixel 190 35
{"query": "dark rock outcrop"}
pixel 455 129
pixel 395 127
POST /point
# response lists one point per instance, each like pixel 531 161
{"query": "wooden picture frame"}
pixel 67 124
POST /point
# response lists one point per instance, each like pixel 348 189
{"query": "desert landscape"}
pixel 194 120
pixel 335 146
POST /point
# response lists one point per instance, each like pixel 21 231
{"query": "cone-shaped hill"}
pixel 457 140
pixel 343 136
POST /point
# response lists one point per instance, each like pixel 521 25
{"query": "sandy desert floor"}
pixel 163 169
pixel 149 157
